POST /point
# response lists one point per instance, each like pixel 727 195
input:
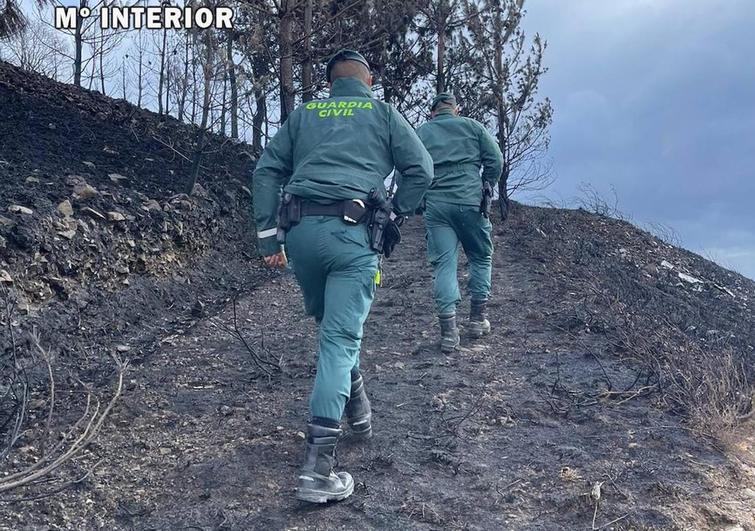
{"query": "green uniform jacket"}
pixel 459 148
pixel 336 149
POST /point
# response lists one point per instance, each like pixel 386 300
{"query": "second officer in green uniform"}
pixel 326 159
pixel 460 148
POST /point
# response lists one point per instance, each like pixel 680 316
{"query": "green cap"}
pixel 443 97
pixel 345 55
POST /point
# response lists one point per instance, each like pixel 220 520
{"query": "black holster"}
pixel 289 214
pixel 384 233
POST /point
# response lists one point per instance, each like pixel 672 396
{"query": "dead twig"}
pixel 459 420
pixel 642 391
pixel 234 330
pixel 158 139
pixel 506 487
pixel 47 358
pixel 92 428
pixel 131 128
pixel 18 384
pixel 603 370
pixel 53 492
pixel 596 495
pixel 614 521
pixel 58 446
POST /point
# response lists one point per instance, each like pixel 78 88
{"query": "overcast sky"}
pixel 657 99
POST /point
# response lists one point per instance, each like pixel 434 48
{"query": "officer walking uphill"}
pixel 456 212
pixel 325 168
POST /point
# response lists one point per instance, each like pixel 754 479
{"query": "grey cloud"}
pixel 655 99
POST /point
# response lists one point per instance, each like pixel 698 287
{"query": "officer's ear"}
pixel 369 80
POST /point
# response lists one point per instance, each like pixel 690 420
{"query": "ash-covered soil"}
pixel 512 432
pixel 98 235
pixel 94 189
pixel 612 393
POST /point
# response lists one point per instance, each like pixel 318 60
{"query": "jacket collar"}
pixel 350 86
pixel 444 113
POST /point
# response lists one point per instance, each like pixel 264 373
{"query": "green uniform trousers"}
pixel 336 268
pixel 447 226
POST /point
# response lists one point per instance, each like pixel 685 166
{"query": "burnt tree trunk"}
pixel 123 76
pixel 224 104
pixel 234 106
pixel 201 138
pixel 285 37
pixel 307 67
pixel 185 82
pixel 501 117
pixel 77 46
pixel 102 60
pixel 258 120
pixel 161 80
pixel 440 79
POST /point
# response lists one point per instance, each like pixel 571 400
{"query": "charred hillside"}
pixel 617 361
pixel 94 189
pixel 687 321
pixel 98 235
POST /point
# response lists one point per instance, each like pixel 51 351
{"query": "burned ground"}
pixel 616 361
pixel 94 189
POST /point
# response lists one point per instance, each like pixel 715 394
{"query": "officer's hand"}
pixel 277 261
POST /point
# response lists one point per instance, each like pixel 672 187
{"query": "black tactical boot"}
pixel 318 483
pixel 358 412
pixel 478 324
pixel 449 334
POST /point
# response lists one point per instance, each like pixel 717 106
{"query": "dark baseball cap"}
pixel 443 97
pixel 345 55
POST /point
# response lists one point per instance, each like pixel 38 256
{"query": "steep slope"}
pixel 94 188
pixel 97 234
pixel 616 360
pixel 688 322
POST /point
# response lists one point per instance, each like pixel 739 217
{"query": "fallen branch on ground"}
pixel 595 494
pixel 263 363
pixel 58 457
pixel 58 490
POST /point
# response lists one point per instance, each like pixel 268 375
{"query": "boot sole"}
pixel 319 496
pixel 448 347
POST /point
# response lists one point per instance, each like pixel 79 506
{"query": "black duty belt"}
pixel 352 211
pixel 375 213
pixel 310 208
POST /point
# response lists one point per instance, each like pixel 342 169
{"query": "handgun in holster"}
pixel 384 232
pixel 289 214
pixel 487 199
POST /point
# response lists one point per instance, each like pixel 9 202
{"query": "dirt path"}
pixel 503 434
